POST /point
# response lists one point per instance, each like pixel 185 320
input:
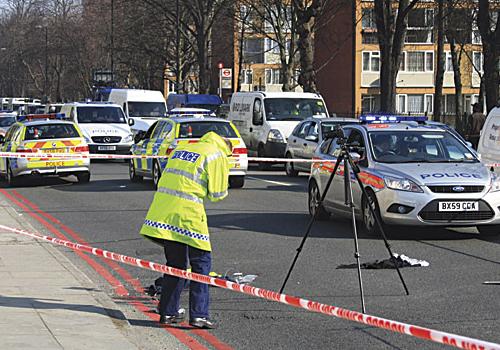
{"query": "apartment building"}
pixel 348 63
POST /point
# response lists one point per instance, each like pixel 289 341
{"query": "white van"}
pixel 104 125
pixel 489 142
pixel 143 106
pixel 266 119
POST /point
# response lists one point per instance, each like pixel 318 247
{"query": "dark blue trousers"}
pixel 179 255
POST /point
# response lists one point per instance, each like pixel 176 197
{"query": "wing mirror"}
pixel 312 138
pixel 131 121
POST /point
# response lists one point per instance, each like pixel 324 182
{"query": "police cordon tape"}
pixel 135 156
pixel 394 326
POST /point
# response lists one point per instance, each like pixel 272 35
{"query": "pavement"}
pixel 46 303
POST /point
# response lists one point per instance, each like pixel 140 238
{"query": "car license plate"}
pixel 106 148
pixel 458 206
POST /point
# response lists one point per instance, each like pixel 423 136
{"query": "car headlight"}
pixel 275 136
pixel 402 185
pixel 495 183
pixel 128 138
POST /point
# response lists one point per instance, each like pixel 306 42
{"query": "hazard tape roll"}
pixel 451 339
pixel 135 156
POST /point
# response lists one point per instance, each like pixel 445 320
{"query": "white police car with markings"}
pixel 414 173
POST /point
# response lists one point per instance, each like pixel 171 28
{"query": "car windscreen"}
pixel 327 127
pixel 418 147
pixel 147 109
pixel 104 115
pixel 50 131
pixel 293 108
pixel 198 129
pixel 7 121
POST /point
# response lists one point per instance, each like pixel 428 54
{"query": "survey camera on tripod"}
pixel 353 148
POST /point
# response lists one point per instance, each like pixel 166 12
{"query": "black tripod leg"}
pixel 349 202
pixel 311 222
pixel 377 219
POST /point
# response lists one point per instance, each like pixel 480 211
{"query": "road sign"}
pixel 226 77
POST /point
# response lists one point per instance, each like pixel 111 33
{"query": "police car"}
pixel 44 134
pixel 414 173
pixel 166 134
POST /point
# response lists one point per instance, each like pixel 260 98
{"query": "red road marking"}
pixel 180 335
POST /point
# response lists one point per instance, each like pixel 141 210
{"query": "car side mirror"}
pixel 131 121
pixel 469 144
pixel 258 119
pixel 356 157
pixel 139 136
pixel 312 138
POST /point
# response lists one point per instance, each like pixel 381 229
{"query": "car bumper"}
pixel 425 208
pixel 118 148
pixel 22 167
pixel 275 149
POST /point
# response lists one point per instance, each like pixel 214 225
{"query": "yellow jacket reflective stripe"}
pixel 193 172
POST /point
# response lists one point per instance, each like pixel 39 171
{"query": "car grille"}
pixel 106 139
pixel 449 189
pixel 430 213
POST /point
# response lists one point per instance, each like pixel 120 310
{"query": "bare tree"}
pixel 489 28
pixel 391 16
pixel 440 59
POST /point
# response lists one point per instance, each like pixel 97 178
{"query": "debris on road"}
pixel 398 260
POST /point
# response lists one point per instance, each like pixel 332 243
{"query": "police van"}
pixel 104 125
pixel 489 142
pixel 266 119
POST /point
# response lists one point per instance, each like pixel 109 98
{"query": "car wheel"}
pixel 12 181
pixel 156 174
pixel 369 220
pixel 314 203
pixel 489 230
pixel 236 181
pixel 289 168
pixel 131 172
pixel 262 154
pixel 84 177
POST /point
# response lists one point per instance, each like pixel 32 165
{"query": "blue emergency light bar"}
pixel 30 117
pixel 390 118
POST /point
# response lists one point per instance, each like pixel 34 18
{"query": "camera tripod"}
pixel 349 165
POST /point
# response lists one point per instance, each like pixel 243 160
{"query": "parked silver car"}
pixel 415 174
pixel 306 137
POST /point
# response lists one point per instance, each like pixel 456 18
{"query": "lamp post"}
pixel 45 81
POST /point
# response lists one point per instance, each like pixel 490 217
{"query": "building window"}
pixel 368 19
pixel 449 105
pixel 370 103
pixel 371 61
pixel 271 45
pixel 273 76
pixel 401 104
pixel 477 61
pixel 247 76
pixel 419 61
pixel 253 50
pixel 416 104
pixel 429 104
pixel 420 26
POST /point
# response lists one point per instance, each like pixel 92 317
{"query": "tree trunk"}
pixel 457 78
pixel 305 44
pixel 491 52
pixel 202 60
pixel 438 91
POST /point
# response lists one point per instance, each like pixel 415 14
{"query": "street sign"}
pixel 226 77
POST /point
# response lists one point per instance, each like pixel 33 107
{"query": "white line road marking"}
pixel 271 182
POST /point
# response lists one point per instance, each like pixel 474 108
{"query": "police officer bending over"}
pixel 177 220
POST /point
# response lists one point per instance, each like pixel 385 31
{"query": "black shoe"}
pixel 166 319
pixel 201 322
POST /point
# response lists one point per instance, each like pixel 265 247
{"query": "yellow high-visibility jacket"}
pixel 193 172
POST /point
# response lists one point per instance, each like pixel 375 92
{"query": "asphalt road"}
pixel 257 229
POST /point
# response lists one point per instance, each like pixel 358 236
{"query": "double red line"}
pixel 120 289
